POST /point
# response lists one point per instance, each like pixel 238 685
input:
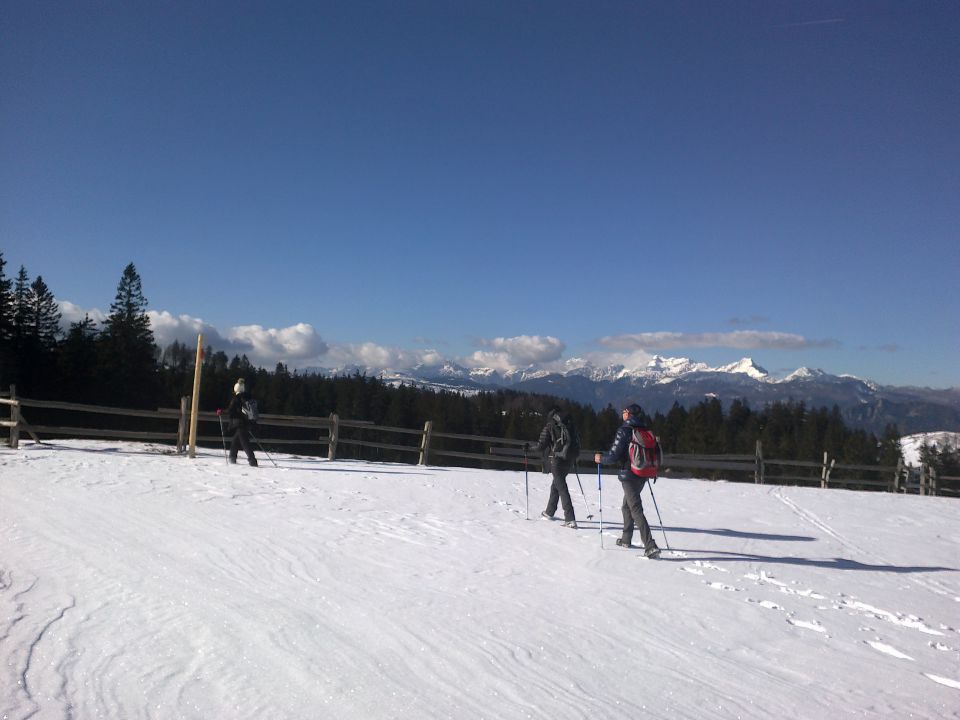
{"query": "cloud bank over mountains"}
pixel 301 346
pixel 740 339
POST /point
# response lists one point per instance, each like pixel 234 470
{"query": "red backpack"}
pixel 645 453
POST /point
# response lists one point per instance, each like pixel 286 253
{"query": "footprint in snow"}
pixel 769 605
pixel 721 586
pixel 709 566
pixel 944 681
pixel 888 650
pixel 815 626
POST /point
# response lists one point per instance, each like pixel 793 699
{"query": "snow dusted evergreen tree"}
pixel 127 348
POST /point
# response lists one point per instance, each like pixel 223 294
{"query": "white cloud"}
pixel 741 339
pixel 374 356
pixel 183 328
pixel 516 352
pixel 269 345
pixel 70 313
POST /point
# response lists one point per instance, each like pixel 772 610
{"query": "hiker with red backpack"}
pixel 639 455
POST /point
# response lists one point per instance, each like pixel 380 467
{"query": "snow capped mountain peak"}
pixel 804 373
pixel 673 367
pixel 746 366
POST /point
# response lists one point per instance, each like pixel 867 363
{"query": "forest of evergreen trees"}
pixel 119 364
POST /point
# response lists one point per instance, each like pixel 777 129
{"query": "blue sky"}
pixel 498 182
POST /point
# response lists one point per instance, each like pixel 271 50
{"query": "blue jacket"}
pixel 619 451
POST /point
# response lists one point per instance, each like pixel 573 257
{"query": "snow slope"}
pixel 910 445
pixel 139 584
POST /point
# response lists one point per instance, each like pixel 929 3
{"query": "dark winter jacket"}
pixel 619 451
pixel 235 411
pixel 562 458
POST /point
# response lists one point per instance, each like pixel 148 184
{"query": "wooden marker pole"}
pixel 195 400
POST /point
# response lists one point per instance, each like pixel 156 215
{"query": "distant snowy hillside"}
pixel 910 445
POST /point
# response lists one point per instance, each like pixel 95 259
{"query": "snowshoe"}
pixel 624 543
pixel 570 524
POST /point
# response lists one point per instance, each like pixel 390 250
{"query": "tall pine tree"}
pixel 6 327
pixel 127 348
pixel 78 363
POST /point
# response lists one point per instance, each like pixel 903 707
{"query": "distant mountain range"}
pixel 665 381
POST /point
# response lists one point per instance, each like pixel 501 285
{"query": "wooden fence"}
pixel 429 445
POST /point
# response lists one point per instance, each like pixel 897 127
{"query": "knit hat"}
pixel 634 410
pixel 239 387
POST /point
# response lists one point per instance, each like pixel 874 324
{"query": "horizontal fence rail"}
pixel 426 444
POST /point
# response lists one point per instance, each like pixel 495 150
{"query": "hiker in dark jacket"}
pixel 563 452
pixel 632 507
pixel 239 424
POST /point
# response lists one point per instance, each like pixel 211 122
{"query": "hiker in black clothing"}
pixel 239 424
pixel 558 437
pixel 632 484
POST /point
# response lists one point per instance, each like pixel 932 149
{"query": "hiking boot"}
pixel 624 543
pixel 570 524
pixel 546 515
pixel 652 552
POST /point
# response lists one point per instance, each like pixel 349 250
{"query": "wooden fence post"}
pixel 15 419
pixel 758 473
pixel 895 487
pixel 334 435
pixel 932 483
pixel 425 442
pixel 827 469
pixel 182 426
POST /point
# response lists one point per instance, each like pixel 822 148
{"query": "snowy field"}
pixel 138 584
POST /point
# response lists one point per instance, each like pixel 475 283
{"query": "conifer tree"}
pixel 127 348
pixel 78 362
pixel 6 326
pixel 43 316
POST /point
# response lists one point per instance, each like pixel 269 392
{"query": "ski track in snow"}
pixel 382 600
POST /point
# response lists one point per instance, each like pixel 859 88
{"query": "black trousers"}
pixel 241 439
pixel 633 512
pixel 559 494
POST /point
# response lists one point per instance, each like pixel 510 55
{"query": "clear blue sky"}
pixel 711 180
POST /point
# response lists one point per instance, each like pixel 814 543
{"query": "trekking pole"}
pixel 224 438
pixel 600 503
pixel 659 519
pixel 526 479
pixel 262 448
pixel 582 493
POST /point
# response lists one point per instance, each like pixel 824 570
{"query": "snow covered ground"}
pixel 138 584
